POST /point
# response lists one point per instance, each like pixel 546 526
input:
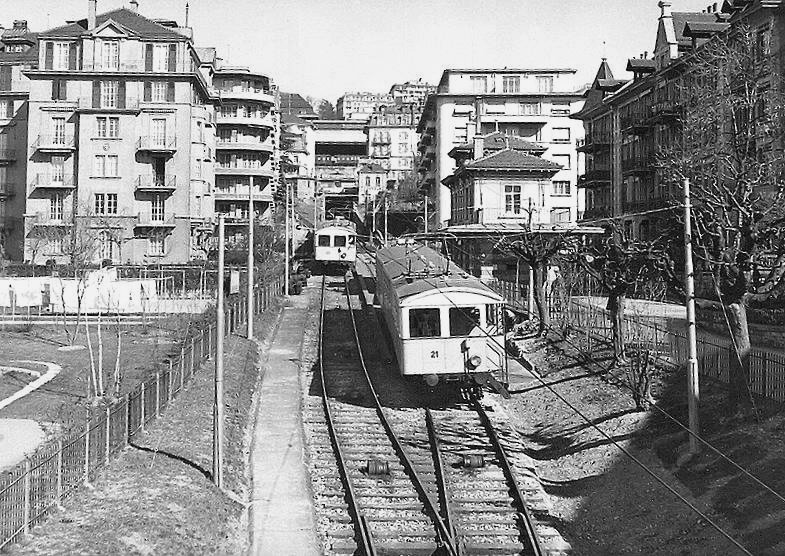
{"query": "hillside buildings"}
pixel 411 94
pixel 360 105
pixel 108 147
pixel 533 104
pixel 392 139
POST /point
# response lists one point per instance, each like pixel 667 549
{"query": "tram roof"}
pixel 415 269
pixel 340 223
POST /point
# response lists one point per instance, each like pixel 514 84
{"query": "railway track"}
pixel 414 481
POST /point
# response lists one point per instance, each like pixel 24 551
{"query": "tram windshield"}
pixel 324 241
pixel 463 320
pixel 424 323
pixel 339 241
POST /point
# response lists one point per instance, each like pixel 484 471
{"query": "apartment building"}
pixel 533 104
pixel 411 93
pixel 246 145
pixel 18 53
pixel 360 106
pixel 298 155
pixel 392 139
pixel 628 122
pixel 121 142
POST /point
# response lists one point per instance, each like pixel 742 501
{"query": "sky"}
pixel 323 48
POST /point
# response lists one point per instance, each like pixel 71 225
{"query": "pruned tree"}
pixel 619 262
pixel 730 146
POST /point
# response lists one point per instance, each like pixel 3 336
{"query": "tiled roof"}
pixel 509 159
pixel 295 104
pixel 680 19
pixel 644 65
pixel 703 29
pixel 135 23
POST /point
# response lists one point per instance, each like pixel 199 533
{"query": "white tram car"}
pixel 444 323
pixel 335 243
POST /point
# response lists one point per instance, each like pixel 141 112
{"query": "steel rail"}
pixel 526 518
pixel 444 532
pixel 363 530
pixel 441 480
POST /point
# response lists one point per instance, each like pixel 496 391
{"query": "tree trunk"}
pixel 616 303
pixel 740 356
pixel 540 301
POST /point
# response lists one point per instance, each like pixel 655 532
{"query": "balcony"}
pixel 246 145
pixel 595 178
pixel 265 121
pixel 594 142
pixel 242 194
pixel 644 205
pixel 156 145
pixel 636 124
pixel 55 143
pixel 155 184
pixel 596 213
pixel 7 156
pixel 48 220
pixel 156 221
pixel 638 165
pixel 247 94
pixel 263 171
pixel 45 181
pixel 665 110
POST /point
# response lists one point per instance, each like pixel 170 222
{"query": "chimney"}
pixel 479 146
pixel 91 9
pixel 665 9
pixel 134 6
pixel 714 7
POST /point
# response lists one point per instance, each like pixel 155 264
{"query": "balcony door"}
pixel 158 132
pixel 157 209
pixel 159 172
pixel 58 131
pixel 57 170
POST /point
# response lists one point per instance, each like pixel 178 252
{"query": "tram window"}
pixel 339 241
pixel 324 241
pixel 463 320
pixel 424 323
pixel 492 315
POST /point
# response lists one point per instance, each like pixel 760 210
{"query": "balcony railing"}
pixel 7 156
pixel 595 177
pixel 638 164
pixel 46 181
pixel 246 145
pixel 664 110
pixel 49 219
pixel 149 220
pixel 594 142
pixel 156 144
pixel 54 143
pixel 644 205
pixel 156 184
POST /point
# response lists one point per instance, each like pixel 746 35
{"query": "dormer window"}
pixel 110 55
pixel 61 55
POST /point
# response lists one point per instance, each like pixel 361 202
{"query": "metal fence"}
pixel 666 343
pixel 31 489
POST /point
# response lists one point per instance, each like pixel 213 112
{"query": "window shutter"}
pixel 121 94
pixel 49 56
pixel 72 52
pixel 5 78
pixel 148 91
pixel 148 57
pixel 173 57
pixel 63 90
pixel 55 89
pixel 170 92
pixel 96 94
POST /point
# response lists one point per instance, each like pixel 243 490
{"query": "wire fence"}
pixel 666 342
pixel 33 488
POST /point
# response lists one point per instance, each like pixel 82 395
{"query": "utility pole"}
pixel 386 209
pixel 425 216
pixel 218 402
pixel 250 259
pixel 693 388
pixel 286 236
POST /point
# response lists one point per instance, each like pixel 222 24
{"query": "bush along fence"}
pixel 667 343
pixel 32 489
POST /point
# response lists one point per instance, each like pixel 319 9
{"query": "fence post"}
pixel 108 432
pixel 157 394
pixel 169 390
pixel 182 366
pixel 59 484
pixel 193 362
pixel 141 410
pixel 27 496
pixel 87 449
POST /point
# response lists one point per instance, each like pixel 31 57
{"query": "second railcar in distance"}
pixel 444 323
pixel 335 243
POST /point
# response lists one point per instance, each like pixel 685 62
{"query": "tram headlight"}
pixel 474 362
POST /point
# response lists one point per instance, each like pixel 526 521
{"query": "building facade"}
pixel 121 143
pixel 533 104
pixel 360 106
pixel 18 53
pixel 392 139
pixel 412 93
pixel 246 145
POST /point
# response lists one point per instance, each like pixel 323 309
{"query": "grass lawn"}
pixel 157 497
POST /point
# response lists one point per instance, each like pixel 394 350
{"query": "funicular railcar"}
pixel 445 324
pixel 335 243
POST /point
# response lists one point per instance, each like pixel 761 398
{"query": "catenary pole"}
pixel 693 389
pixel 426 214
pixel 286 237
pixel 250 259
pixel 386 209
pixel 218 403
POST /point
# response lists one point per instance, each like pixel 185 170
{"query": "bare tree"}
pixel 730 145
